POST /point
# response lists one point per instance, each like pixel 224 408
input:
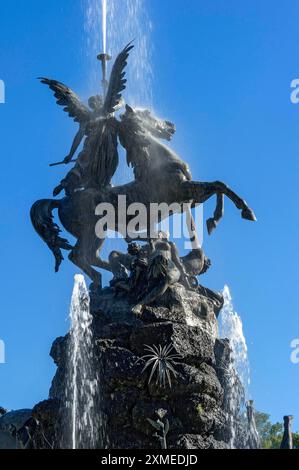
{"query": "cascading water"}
pixel 85 430
pixel 238 375
pixel 231 327
pixel 108 26
pixel 104 25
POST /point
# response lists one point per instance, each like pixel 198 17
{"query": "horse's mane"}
pixel 140 132
pixel 157 127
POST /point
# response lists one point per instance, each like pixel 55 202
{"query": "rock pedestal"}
pixel 194 404
pixel 196 410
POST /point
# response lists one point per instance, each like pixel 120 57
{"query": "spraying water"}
pixel 238 373
pixel 82 378
pixel 231 327
pixel 128 20
pixel 108 26
pixel 104 25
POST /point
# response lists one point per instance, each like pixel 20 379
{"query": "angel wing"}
pixel 117 82
pixel 71 103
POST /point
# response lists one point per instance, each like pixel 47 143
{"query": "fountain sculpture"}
pixel 148 343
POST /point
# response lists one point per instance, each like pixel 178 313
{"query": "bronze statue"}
pixel 160 176
pixel 165 268
pixel 146 272
pixel 98 161
pixel 130 270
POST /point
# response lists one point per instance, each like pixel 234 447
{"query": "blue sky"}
pixel 222 73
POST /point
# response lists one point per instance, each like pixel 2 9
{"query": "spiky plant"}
pixel 162 361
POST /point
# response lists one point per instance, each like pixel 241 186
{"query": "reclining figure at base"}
pixel 147 271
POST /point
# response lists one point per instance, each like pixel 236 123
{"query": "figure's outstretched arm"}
pixel 77 141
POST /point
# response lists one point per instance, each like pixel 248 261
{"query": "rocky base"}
pixel 194 404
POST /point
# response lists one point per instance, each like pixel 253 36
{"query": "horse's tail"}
pixel 42 221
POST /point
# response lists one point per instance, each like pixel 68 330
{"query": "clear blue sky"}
pixel 222 72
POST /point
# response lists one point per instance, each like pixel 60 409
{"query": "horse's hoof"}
pixel 211 225
pixel 248 214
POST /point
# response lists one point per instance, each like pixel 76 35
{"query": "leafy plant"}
pixel 271 434
pixel 162 362
pixel 162 428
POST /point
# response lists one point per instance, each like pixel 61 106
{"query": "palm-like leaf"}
pixel 162 361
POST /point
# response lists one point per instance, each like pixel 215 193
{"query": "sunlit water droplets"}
pixel 231 327
pixel 82 387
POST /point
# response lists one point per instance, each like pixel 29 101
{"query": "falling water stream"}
pixel 82 386
pixel 238 374
pixel 231 327
pixel 109 25
pixel 104 25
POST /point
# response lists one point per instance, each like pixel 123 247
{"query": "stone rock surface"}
pixel 193 404
pixel 10 423
pixel 195 441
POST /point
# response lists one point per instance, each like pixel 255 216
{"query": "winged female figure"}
pixel 98 161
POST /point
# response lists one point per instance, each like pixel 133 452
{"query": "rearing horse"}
pixel 160 177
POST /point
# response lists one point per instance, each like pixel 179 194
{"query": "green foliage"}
pixel 271 434
pixel 296 440
pixel 199 409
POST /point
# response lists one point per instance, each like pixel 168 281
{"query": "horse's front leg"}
pixel 202 191
pixel 246 213
pixel 218 214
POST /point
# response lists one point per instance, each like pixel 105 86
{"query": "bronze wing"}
pixel 71 103
pixel 117 82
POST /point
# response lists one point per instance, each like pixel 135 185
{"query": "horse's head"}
pixel 150 123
